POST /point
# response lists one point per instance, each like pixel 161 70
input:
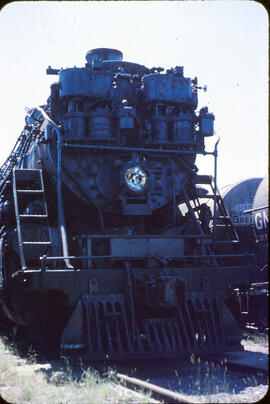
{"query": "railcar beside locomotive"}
pixel 260 218
pixel 247 205
pixel 106 241
pixel 238 198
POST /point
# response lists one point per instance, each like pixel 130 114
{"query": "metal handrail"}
pixel 135 149
pixel 143 236
pixel 164 260
pixel 122 257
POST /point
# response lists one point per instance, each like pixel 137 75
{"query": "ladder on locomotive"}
pixel 223 220
pixel 28 187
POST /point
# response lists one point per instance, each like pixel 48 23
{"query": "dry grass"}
pixel 29 381
pixel 24 381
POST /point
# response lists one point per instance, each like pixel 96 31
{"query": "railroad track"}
pixel 244 363
pixel 159 393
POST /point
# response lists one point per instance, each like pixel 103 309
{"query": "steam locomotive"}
pixel 107 245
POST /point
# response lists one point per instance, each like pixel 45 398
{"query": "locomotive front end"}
pixel 106 241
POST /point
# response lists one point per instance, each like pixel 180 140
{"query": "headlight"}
pixel 136 179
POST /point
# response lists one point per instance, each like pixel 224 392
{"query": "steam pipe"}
pixel 61 220
pixel 215 194
pixel 173 190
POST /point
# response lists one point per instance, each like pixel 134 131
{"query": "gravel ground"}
pixel 207 382
pixel 213 384
pixel 24 382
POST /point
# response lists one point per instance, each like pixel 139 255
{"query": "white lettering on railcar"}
pixel 261 220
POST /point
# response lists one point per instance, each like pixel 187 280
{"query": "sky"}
pixel 223 43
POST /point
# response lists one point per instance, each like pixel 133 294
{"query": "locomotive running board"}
pixel 101 326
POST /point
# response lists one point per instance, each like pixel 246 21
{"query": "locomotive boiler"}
pixel 106 241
